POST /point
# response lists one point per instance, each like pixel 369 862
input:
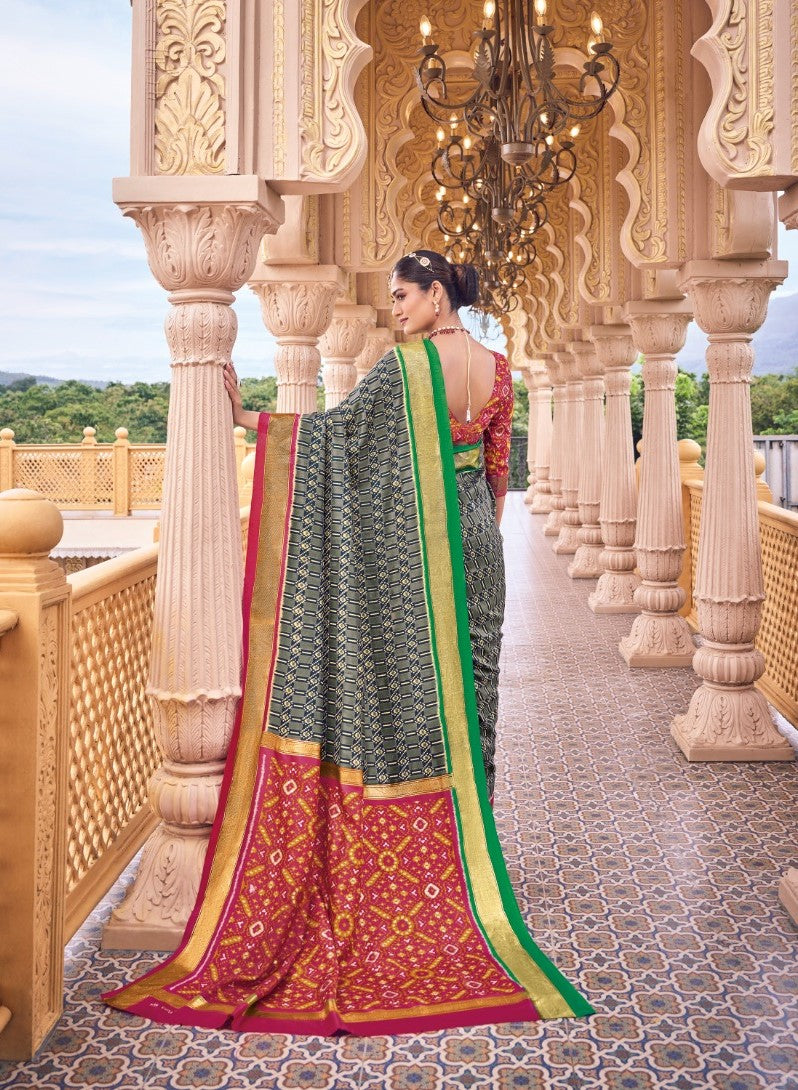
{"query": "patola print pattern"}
pixel 354 881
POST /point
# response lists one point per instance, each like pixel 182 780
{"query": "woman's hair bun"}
pixel 466 281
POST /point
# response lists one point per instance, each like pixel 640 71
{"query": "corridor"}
pixel 652 883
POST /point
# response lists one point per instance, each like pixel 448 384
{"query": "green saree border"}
pixel 569 1000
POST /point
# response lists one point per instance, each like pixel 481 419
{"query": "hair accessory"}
pixel 423 261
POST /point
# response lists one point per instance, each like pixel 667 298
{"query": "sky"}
pixel 77 299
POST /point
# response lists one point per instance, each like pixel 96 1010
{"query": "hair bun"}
pixel 466 281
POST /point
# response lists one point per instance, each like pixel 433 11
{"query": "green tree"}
pixel 520 408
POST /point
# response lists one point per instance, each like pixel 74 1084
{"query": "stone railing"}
pixel 89 476
pixel 776 640
pixel 77 748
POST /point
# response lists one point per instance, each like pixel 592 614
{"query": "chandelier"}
pixel 513 94
pixel 513 194
pixel 501 252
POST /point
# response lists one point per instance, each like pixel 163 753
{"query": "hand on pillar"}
pixel 201 255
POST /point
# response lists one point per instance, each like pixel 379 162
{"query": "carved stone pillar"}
pixel 568 540
pixel 728 719
pixel 659 636
pixel 201 254
pixel 541 503
pixel 557 379
pixel 617 584
pixel 297 305
pixel 586 564
pixel 529 381
pixel 379 340
pixel 340 346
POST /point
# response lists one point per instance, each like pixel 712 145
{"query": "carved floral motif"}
pixel 189 89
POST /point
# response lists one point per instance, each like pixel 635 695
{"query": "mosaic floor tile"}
pixel 650 881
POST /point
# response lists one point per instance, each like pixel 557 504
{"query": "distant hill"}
pixel 775 344
pixel 7 377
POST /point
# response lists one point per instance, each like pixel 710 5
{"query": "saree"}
pixel 354 880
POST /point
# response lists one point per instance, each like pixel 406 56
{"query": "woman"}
pixel 354 881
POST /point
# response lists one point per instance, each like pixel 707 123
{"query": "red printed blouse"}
pixel 494 425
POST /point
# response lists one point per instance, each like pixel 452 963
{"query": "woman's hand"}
pixel 241 416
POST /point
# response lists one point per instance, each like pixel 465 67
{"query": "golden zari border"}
pixel 487 896
pixel 353 777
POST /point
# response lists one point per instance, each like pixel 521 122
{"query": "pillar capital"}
pixel 615 346
pixel 730 298
pixel 297 304
pixel 659 327
pixel 379 340
pixel 202 236
pixel 340 345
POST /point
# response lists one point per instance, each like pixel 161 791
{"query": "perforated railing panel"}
pixel 113 749
pixel 146 477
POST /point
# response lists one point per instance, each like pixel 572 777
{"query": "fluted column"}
pixel 586 564
pixel 541 503
pixel 529 381
pixel 201 255
pixel 379 340
pixel 728 719
pixel 659 635
pixel 340 346
pixel 568 540
pixel 557 379
pixel 297 305
pixel 617 584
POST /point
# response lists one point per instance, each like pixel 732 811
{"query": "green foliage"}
pixel 690 394
pixel 520 408
pixel 774 404
pixel 58 414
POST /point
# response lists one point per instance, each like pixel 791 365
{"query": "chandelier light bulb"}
pixel 489 10
pixel 575 131
pixel 549 139
pixel 426 28
pixel 540 9
pixel 596 24
pixel 440 134
pixel 591 44
pixel 466 198
pixel 467 143
pixel 544 119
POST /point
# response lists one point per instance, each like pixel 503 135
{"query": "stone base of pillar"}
pixel 553 523
pixel 788 893
pixel 615 593
pixel 171 863
pixel 541 504
pixel 529 495
pixel 657 640
pixel 586 563
pixel 723 724
pixel 568 541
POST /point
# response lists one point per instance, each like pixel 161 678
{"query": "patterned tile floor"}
pixel 651 882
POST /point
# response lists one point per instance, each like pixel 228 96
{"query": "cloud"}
pixel 77 246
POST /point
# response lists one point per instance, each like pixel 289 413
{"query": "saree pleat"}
pixel 354 880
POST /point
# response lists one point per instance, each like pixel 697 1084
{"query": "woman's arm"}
pixel 497 436
pixel 244 418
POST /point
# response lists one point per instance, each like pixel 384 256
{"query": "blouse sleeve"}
pixel 499 430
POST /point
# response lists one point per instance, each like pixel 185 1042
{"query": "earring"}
pixel 437 307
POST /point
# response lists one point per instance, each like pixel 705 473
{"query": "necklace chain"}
pixel 447 329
